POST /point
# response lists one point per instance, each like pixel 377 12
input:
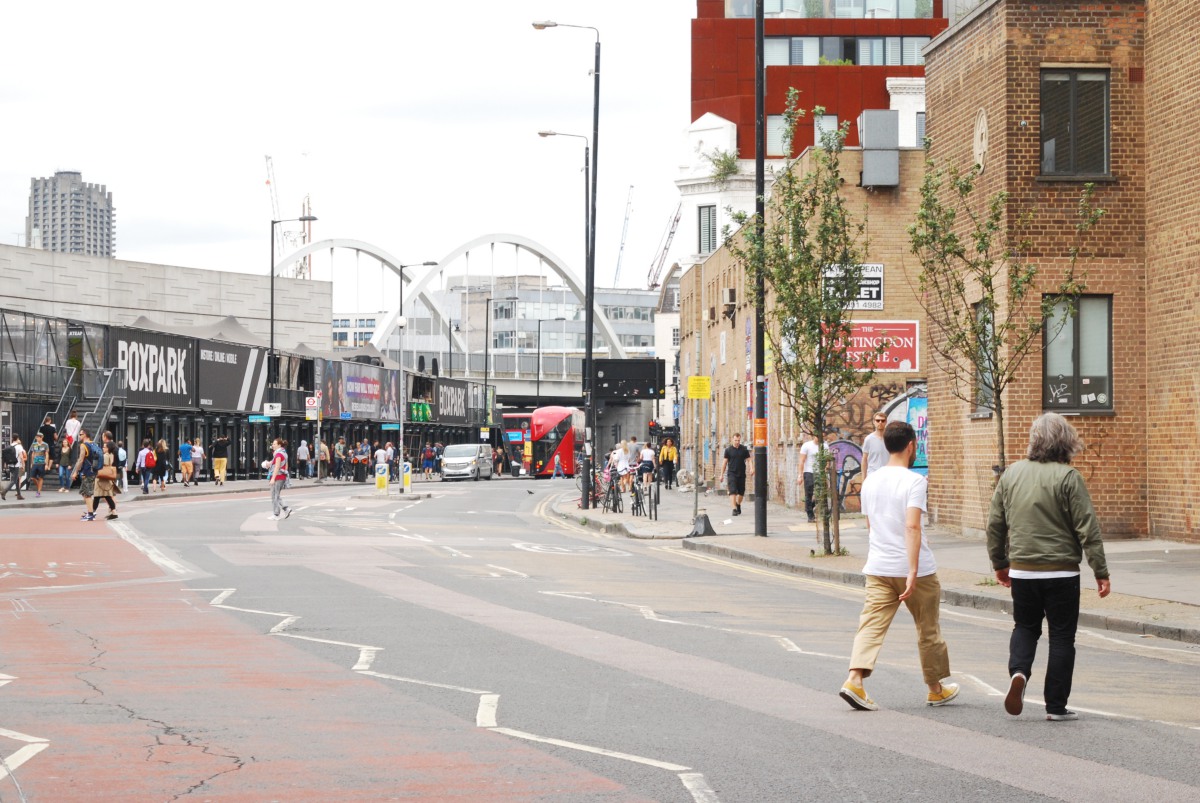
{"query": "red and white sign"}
pixel 312 402
pixel 901 342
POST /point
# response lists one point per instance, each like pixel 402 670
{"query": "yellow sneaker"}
pixel 857 697
pixel 949 692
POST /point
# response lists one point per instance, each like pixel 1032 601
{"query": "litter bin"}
pixel 360 471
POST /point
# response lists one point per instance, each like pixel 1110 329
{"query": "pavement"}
pixel 1155 593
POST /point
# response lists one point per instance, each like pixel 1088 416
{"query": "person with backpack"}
pixel 145 465
pixel 85 469
pixel 14 461
pixel 123 466
pixel 427 459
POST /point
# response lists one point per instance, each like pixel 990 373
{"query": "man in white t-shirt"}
pixel 808 464
pixel 875 454
pixel 900 568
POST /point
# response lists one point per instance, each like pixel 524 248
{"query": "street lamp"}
pixel 272 361
pixel 401 322
pixel 539 357
pixel 587 205
pixel 590 275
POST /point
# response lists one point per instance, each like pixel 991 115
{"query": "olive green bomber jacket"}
pixel 1041 519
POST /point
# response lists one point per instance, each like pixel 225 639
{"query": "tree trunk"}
pixel 835 506
pixel 1001 446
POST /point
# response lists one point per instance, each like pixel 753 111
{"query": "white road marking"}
pixel 455 552
pixel 510 571
pixel 991 690
pixel 411 537
pixel 600 751
pixel 485 717
pixel 33 744
pixel 791 646
pixel 572 549
pixel 430 683
pixel 696 784
pixel 149 550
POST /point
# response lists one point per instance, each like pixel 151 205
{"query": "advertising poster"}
pixel 230 378
pixel 389 407
pixel 160 369
pixel 918 417
pixel 900 341
pixel 362 386
pixel 332 395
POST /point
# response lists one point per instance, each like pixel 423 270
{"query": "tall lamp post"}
pixel 272 361
pixel 401 322
pixel 539 357
pixel 590 275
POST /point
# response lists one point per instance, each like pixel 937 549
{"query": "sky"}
pixel 410 125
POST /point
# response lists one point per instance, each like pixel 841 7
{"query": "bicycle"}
pixel 612 496
pixel 637 504
pixel 653 496
pixel 598 486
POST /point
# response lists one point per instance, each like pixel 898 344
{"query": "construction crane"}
pixel 624 233
pixel 668 235
pixel 283 238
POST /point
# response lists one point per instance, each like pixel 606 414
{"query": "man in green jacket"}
pixel 1040 527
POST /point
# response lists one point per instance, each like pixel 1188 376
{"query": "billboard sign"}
pixel 160 369
pixel 450 401
pixel 870 287
pixel 631 378
pixel 230 378
pixel 900 341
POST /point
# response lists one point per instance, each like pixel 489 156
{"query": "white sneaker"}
pixel 287 511
pixel 272 517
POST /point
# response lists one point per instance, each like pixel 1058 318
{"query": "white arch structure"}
pixel 417 285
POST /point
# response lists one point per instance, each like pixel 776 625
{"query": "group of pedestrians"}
pixel 631 461
pixel 1041 527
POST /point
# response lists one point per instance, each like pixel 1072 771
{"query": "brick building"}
pixel 717 338
pixel 1048 96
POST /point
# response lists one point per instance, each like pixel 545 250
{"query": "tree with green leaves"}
pixel 810 257
pixel 987 303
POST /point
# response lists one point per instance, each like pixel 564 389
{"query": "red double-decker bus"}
pixel 549 431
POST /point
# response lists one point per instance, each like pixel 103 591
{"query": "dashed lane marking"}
pixel 485 714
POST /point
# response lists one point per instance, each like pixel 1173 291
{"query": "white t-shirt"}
pixel 72 427
pixel 809 452
pixel 886 496
pixel 875 453
pixel 380 456
pixel 647 454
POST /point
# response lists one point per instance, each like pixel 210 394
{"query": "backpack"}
pixel 91 463
pixel 9 457
pixel 429 453
pixel 151 460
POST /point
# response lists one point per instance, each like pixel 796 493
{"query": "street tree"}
pixel 810 256
pixel 987 303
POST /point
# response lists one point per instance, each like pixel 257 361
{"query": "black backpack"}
pixel 9 457
pixel 91 463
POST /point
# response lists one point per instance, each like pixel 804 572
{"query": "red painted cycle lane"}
pixel 144 692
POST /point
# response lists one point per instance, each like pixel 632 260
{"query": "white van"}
pixel 462 461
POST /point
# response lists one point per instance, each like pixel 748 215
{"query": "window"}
pixel 825 124
pixel 776 125
pixel 920 129
pixel 675 337
pixel 985 372
pixel 1078 356
pixel 1074 119
pixel 870 50
pixel 708 228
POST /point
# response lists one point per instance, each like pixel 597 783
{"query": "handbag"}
pixel 107 473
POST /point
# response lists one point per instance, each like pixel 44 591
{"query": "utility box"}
pixel 879 129
pixel 880 168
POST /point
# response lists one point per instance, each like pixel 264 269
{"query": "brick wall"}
pixel 1173 254
pixel 993 61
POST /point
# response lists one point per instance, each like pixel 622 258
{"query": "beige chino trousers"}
pixel 879 608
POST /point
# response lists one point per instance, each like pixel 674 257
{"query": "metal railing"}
pixel 30 378
pixel 98 382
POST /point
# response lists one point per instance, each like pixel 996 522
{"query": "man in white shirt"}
pixel 808 464
pixel 15 468
pixel 900 568
pixel 875 454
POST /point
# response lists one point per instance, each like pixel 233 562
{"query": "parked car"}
pixel 461 461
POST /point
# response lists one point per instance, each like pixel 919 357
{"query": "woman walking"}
pixel 145 464
pixel 197 460
pixel 278 474
pixel 668 456
pixel 106 483
pixel 162 461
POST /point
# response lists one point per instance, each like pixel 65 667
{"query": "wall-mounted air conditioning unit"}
pixel 729 296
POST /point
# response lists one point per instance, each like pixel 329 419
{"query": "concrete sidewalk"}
pixel 1155 592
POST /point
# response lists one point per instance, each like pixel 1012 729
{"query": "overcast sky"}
pixel 412 125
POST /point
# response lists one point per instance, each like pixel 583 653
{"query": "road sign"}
pixel 311 414
pixel 272 408
pixel 311 402
pixel 485 433
pixel 381 477
pixel 345 416
pixel 259 419
pixel 699 387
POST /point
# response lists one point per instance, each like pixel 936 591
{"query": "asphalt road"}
pixel 465 647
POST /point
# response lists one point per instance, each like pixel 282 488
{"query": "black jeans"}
pixel 1057 600
pixel 809 487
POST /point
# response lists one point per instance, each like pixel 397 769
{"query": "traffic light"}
pixel 614 433
pixel 655 429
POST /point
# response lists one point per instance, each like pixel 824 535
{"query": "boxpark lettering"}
pixel 452 401
pixel 152 368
